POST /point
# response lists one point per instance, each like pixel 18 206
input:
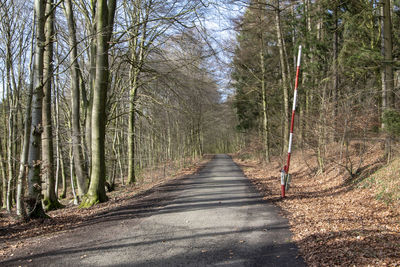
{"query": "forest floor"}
pixel 337 219
pixel 15 234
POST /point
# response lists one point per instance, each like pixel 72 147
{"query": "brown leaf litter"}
pixel 335 222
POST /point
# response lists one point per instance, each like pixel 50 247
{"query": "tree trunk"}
pixel 63 175
pixel 57 134
pixel 81 175
pixel 4 177
pixel 387 51
pixel 10 158
pixel 335 78
pixel 89 100
pixel 25 148
pixel 264 105
pixel 387 68
pixel 72 172
pixel 104 22
pixel 35 208
pixel 50 198
pixel 10 137
pixel 284 76
pixel 131 130
pixel 136 47
pixel 322 132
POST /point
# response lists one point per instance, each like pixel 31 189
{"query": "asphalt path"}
pixel 213 218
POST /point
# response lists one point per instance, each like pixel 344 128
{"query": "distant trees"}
pixel 104 93
pixel 348 72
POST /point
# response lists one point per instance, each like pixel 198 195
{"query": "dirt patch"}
pixel 334 220
pixel 15 234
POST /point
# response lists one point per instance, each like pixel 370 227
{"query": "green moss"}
pixel 89 201
pixel 52 205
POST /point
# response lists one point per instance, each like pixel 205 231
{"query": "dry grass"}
pixel 336 219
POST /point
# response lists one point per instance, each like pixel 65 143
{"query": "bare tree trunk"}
pixel 50 199
pixel 81 175
pixel 387 69
pixel 10 137
pixel 35 208
pixel 92 75
pixel 57 134
pixel 284 76
pixel 388 53
pixel 265 107
pixel 137 48
pixel 131 130
pixel 119 155
pixel 10 158
pixel 335 78
pixel 322 132
pixel 104 21
pixel 71 170
pixel 4 178
pixel 63 175
pixel 25 147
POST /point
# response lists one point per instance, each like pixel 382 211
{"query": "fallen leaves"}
pixel 334 222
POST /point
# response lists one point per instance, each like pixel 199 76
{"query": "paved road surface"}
pixel 213 218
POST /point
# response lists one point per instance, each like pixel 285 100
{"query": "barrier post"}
pixel 285 171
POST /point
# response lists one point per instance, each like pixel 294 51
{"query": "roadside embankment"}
pixel 337 218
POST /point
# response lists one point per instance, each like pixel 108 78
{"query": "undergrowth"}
pixel 385 182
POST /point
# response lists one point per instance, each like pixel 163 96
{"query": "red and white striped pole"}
pixel 286 168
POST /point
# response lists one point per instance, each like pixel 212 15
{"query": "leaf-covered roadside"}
pixel 335 222
pixel 15 234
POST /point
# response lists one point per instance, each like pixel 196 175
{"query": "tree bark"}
pixel 335 74
pixel 131 128
pixel 4 177
pixel 81 175
pixel 137 51
pixel 88 102
pixel 34 203
pixel 50 200
pixel 104 21
pixel 388 54
pixel 387 76
pixel 264 107
pixel 284 76
pixel 63 175
pixel 25 147
pixel 11 106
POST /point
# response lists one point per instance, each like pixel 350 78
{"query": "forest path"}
pixel 215 217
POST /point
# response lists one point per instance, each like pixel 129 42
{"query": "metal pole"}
pixel 286 168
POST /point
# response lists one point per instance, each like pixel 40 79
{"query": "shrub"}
pixel 391 119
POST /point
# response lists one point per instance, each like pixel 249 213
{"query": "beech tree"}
pixel 34 201
pixel 78 97
pixel 105 12
pixel 50 198
pixel 80 171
